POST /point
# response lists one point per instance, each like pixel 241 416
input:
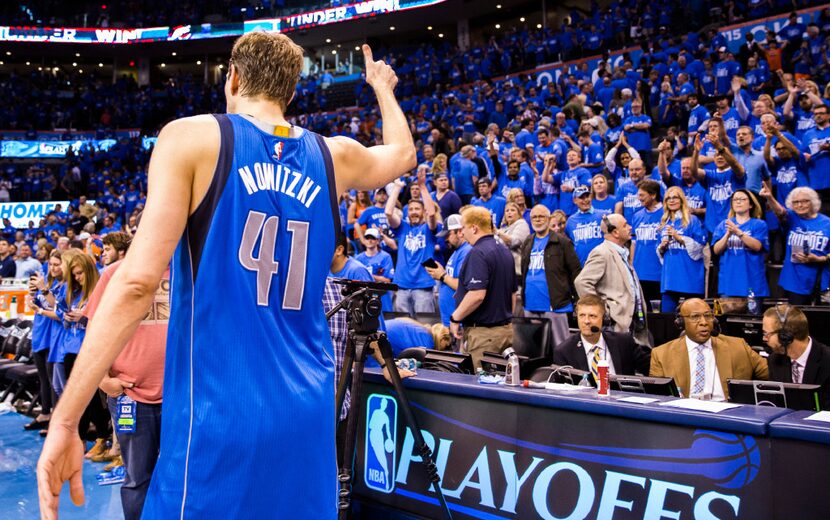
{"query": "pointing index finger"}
pixel 367 53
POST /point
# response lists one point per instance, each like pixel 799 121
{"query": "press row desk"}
pixel 508 452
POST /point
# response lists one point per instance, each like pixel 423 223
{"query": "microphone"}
pixel 595 329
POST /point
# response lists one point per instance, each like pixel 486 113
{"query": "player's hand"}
pixel 378 73
pixel 61 460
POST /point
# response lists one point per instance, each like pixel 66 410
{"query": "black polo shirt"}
pixel 490 266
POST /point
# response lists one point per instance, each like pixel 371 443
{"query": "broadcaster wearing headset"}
pixel 701 360
pixel 796 357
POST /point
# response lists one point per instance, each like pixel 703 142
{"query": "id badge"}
pixel 125 414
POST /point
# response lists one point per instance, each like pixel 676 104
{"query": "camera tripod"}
pixel 362 300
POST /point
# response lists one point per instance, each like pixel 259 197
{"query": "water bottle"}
pixel 752 303
pixel 511 374
pixel 13 308
pixel 585 383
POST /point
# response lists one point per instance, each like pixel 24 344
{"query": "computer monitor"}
pixel 773 393
pixel 560 374
pixel 644 385
pixel 448 362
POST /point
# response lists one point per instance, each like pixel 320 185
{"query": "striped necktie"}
pixel 700 372
pixel 796 372
pixel 595 362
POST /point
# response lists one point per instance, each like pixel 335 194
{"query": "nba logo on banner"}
pixel 381 443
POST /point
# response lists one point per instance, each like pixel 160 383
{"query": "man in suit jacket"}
pixel 608 274
pixel 700 361
pixel 796 357
pixel 585 348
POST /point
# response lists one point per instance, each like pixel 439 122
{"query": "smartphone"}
pixel 431 263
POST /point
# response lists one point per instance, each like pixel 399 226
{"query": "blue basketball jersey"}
pixel 248 408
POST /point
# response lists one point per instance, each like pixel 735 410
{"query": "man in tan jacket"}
pixel 607 273
pixel 700 361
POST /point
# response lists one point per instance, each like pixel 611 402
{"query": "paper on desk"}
pixel 823 416
pixel 638 400
pixel 700 406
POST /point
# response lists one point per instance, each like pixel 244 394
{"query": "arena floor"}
pixel 19 451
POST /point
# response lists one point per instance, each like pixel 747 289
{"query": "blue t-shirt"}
pixel 645 232
pixel 353 270
pixel 638 139
pixel 584 230
pixel 592 154
pixel 787 175
pixel 695 195
pixel 373 217
pixel 604 207
pixel 380 265
pixel 495 205
pixel 506 183
pixel 536 296
pixel 804 234
pixel 819 164
pixel 404 334
pixel 446 295
pixel 742 269
pixel 719 189
pixel 627 193
pixel 416 244
pixel 463 177
pixel 682 273
pixel 572 178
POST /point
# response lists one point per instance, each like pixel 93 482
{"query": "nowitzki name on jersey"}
pixel 280 179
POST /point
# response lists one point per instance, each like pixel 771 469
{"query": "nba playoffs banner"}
pixel 20 213
pixel 507 460
pixel 736 35
pixel 75 135
pixel 203 31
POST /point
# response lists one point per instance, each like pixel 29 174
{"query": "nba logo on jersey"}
pixel 278 150
pixel 380 452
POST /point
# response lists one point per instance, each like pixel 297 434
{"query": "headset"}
pixel 609 227
pixel 680 322
pixel 785 335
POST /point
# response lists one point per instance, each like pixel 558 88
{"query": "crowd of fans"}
pixel 697 165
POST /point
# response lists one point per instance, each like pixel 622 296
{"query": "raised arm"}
pixel 429 204
pixel 699 173
pixel 391 215
pixel 358 167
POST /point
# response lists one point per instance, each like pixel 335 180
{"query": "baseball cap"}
pixel 581 191
pixel 453 222
pixel 372 233
pixel 83 236
pixel 722 49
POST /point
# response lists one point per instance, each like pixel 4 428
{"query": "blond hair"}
pixel 685 214
pixel 73 258
pixel 479 217
pixel 268 65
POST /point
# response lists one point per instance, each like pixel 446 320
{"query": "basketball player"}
pixel 249 204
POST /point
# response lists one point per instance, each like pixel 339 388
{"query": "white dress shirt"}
pixel 712 388
pixel 802 362
pixel 603 352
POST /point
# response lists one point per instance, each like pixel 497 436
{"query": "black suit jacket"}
pixel 817 371
pixel 628 357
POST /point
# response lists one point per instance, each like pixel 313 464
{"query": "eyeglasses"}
pixel 740 199
pixel 767 335
pixel 673 197
pixel 538 217
pixel 806 201
pixel 696 317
